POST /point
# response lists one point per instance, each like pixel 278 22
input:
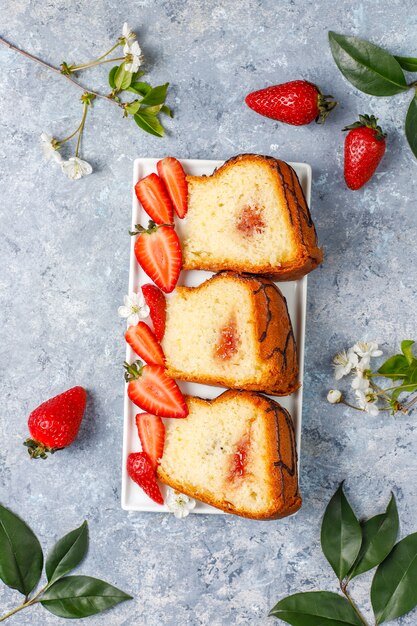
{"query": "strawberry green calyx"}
pixel 133 371
pixel 368 121
pixel 152 228
pixel 325 106
pixel 38 450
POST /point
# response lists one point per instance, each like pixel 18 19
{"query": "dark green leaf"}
pixel 156 95
pixel 149 123
pixel 81 596
pixel 140 88
pixel 368 67
pixel 411 125
pixel 379 535
pixel 21 558
pixel 407 350
pixel 407 63
pixel 133 107
pixel 316 608
pixel 394 588
pixel 395 367
pixel 67 553
pixel 112 74
pixel 341 534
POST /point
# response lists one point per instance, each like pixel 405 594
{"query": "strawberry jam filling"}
pixel 239 459
pixel 228 341
pixel 250 221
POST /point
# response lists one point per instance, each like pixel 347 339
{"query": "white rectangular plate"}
pixel 133 498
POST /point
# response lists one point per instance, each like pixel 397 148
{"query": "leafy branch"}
pixel 353 548
pixel 21 564
pixel 123 78
pixel 375 71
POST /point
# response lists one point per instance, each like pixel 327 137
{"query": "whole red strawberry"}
pixel 55 423
pixel 297 102
pixel 364 148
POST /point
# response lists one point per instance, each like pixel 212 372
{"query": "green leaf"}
pixel 149 123
pixel 152 110
pixel 165 109
pixel 409 64
pixel 411 125
pixel 112 74
pixel 407 350
pixel 133 107
pixel 81 596
pixel 137 75
pixel 67 553
pixel 122 78
pixel 139 88
pixel 368 67
pixel 394 588
pixel 394 367
pixel 316 608
pixel 156 95
pixel 379 535
pixel 21 558
pixel 341 534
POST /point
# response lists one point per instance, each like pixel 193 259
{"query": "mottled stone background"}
pixel 64 270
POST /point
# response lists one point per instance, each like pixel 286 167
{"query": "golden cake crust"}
pixel 274 333
pixel 287 186
pixel 281 456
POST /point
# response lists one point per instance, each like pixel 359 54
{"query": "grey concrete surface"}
pixel 64 269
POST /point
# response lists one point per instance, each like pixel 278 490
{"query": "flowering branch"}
pixel 57 70
pixel 401 368
pixel 122 78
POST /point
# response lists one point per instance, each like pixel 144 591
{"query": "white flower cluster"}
pixel 356 361
pixel 131 50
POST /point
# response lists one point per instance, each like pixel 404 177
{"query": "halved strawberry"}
pixel 156 302
pixel 141 471
pixel 158 252
pixel 142 341
pixel 153 391
pixel 153 196
pixel 173 175
pixel 151 431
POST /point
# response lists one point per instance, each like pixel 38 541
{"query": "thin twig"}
pixel 56 70
pixel 343 587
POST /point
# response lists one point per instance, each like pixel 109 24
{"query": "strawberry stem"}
pixel 38 450
pixel 325 107
pixel 368 121
pixel 133 371
pixel 152 228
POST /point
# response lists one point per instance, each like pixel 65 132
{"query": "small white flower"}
pixel 134 308
pixel 133 54
pixel 50 151
pixel 334 396
pixel 178 503
pixel 127 34
pixel 343 363
pixel 367 401
pixel 76 168
pixel 360 381
pixel 366 350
